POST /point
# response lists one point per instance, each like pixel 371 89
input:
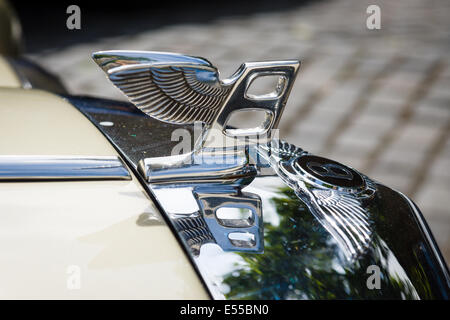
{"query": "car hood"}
pixel 299 254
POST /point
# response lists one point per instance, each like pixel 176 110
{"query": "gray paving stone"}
pixel 408 152
pixel 376 108
pixel 434 197
pixel 440 172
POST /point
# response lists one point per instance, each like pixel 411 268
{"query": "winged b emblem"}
pixel 183 89
pixel 340 209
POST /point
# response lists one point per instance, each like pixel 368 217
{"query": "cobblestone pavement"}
pixel 378 100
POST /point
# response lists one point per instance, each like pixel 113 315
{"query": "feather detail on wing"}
pixel 345 218
pixel 169 87
pixel 341 213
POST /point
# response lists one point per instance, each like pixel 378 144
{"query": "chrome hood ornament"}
pixel 182 89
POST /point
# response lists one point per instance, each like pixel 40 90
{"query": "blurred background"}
pixel 377 100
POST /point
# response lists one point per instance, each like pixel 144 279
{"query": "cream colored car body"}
pixel 78 239
pixel 8 77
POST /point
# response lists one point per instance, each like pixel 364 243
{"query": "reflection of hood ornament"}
pixel 182 89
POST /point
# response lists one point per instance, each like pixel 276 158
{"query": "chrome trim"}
pixel 204 167
pixel 31 167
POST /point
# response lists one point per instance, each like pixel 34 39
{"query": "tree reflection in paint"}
pixel 301 261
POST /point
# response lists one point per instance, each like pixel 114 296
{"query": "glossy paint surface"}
pixel 98 240
pixel 300 258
